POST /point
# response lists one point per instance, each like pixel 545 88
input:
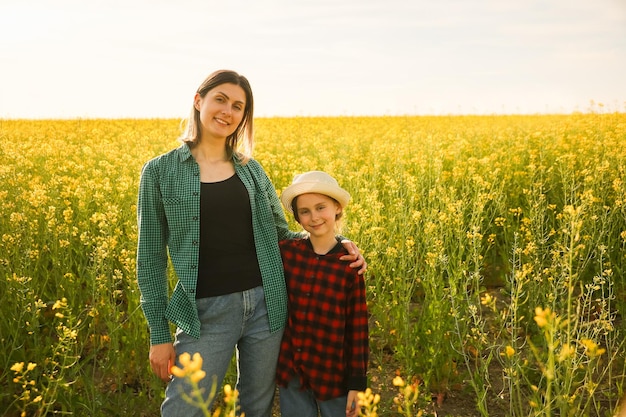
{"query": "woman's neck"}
pixel 213 161
pixel 210 151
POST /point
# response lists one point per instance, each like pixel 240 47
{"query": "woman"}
pixel 211 209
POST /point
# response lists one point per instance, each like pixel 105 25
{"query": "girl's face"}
pixel 317 214
pixel 221 110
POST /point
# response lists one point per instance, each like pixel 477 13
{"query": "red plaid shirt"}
pixel 326 341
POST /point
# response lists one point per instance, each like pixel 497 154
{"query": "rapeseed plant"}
pixel 192 372
pixel 448 211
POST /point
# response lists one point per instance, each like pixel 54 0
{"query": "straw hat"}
pixel 317 182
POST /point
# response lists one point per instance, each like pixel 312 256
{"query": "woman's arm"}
pixel 282 228
pixel 152 255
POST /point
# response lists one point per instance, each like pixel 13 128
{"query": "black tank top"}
pixel 228 261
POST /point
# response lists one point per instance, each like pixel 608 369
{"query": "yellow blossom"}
pixel 178 372
pixel 197 376
pixel 591 348
pixel 509 351
pixel 60 303
pixel 398 381
pixel 17 367
pixel 486 299
pixel 367 398
pixel 566 352
pixel 191 367
pixel 542 316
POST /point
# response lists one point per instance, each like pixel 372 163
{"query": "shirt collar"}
pixel 338 248
pixel 184 152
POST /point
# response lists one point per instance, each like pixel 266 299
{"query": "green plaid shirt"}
pixel 168 216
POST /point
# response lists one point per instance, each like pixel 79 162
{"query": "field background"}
pixel 496 248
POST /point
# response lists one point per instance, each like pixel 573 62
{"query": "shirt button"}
pixel 195 217
pixel 194 266
pixel 195 243
pixel 195 193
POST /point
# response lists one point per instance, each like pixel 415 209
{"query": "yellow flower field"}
pixel 493 242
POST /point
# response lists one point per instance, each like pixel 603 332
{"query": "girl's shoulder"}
pixel 298 243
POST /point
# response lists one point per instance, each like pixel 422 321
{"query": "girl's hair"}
pixel 241 141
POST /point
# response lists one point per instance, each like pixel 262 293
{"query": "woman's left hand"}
pixel 354 256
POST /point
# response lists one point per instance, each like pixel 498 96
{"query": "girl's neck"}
pixel 323 244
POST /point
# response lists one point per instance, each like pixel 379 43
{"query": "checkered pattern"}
pixel 168 216
pixel 326 339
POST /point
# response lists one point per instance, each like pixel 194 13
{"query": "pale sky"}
pixel 146 58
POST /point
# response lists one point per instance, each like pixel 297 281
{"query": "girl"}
pixel 324 352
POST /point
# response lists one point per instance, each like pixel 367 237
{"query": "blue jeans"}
pixel 297 403
pixel 237 320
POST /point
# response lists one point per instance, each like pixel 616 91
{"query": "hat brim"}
pixel 333 191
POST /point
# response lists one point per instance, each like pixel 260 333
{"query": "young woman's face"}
pixel 317 214
pixel 221 110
